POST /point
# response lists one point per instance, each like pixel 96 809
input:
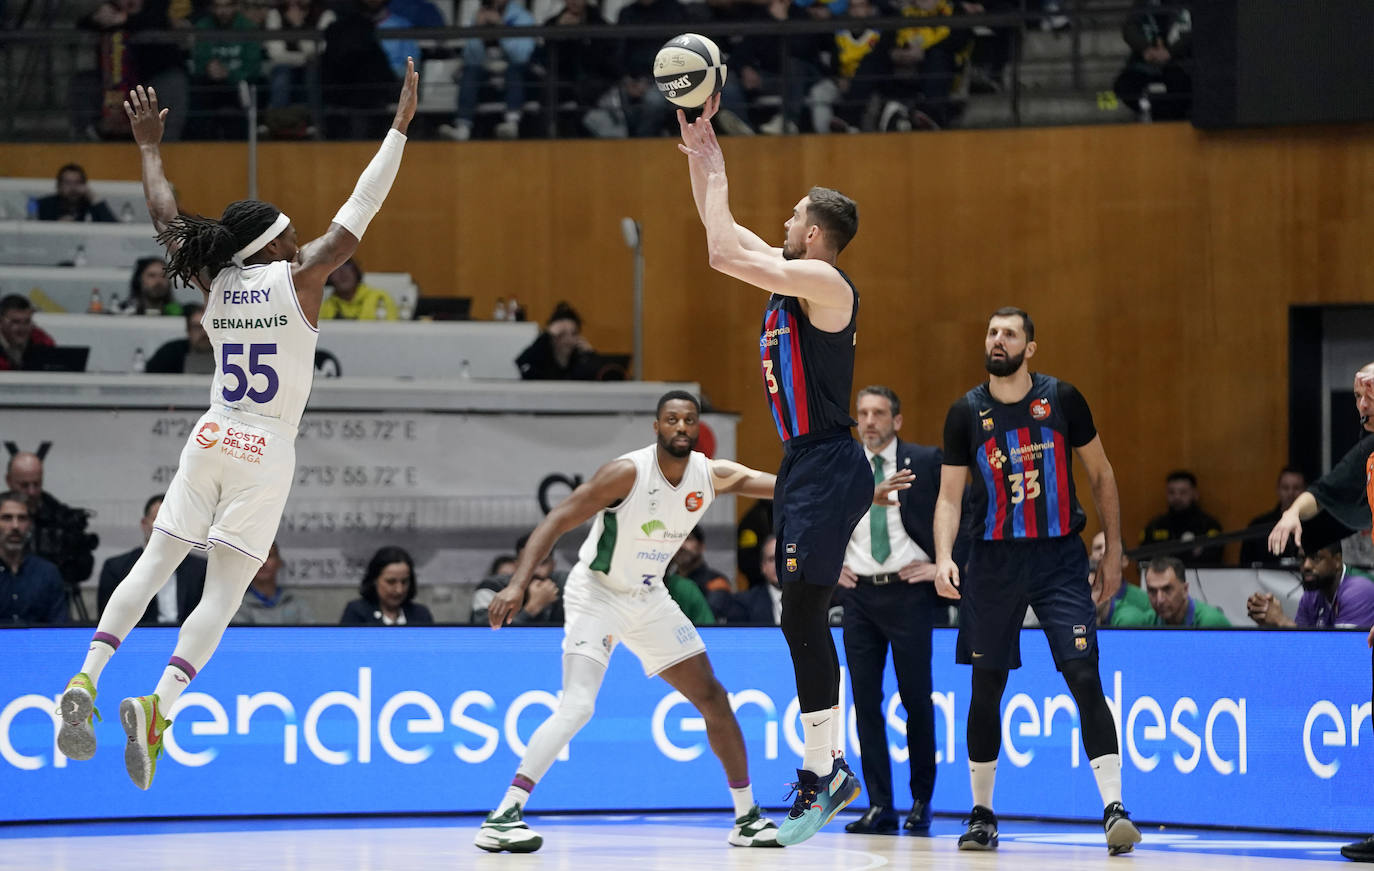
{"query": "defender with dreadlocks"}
pixel 263 295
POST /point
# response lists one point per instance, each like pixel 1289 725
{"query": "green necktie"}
pixel 877 518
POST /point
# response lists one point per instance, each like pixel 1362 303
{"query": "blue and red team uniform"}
pixel 825 485
pixel 1025 521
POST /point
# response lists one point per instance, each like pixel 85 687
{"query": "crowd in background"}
pixel 854 78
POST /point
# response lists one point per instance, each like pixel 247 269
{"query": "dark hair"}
pixel 135 283
pixel 564 312
pixel 836 214
pixel 672 395
pixel 1161 564
pixel 152 500
pixel 380 560
pixel 1292 470
pixel 71 167
pixel 357 271
pixel 496 563
pixel 1181 475
pixel 886 393
pixel 14 302
pixel 14 496
pixel 522 541
pixel 1011 311
pixel 697 534
pixel 206 245
pixel 190 310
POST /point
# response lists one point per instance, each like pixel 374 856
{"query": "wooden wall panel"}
pixel 1158 262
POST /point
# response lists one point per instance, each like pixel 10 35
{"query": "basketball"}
pixel 688 70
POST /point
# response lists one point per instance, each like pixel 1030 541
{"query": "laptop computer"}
pixel 444 308
pixel 60 358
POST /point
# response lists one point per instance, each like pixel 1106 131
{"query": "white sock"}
pixel 816 757
pixel 97 655
pixel 515 795
pixel 743 797
pixel 836 731
pixel 982 776
pixel 1107 773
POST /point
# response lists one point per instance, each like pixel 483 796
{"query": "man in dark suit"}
pixel 890 600
pixel 175 601
pixel 762 602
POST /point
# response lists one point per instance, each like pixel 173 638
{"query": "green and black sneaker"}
pixel 506 832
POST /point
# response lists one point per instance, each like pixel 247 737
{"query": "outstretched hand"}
pixel 146 120
pixel 410 91
pixel 699 137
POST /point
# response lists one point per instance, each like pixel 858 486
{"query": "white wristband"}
pixel 373 185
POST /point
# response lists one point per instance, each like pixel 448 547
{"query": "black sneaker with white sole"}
pixel 1360 851
pixel 982 830
pixel 1122 835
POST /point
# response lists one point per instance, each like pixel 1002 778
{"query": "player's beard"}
pixel 790 253
pixel 1005 366
pixel 674 450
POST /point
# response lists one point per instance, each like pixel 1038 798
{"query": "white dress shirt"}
pixel 858 557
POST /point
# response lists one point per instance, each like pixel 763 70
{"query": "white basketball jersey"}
pixel 264 346
pixel 630 545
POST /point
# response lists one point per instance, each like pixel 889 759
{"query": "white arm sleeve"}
pixel 373 185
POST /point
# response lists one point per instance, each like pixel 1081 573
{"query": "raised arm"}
pixel 1108 502
pixel 610 484
pixel 323 255
pixel 747 238
pixel 815 281
pixel 731 477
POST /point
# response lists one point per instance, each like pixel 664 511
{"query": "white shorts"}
pixel 231 484
pixel 651 625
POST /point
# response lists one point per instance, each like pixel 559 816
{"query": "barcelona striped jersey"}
pixel 1021 458
pixel 808 373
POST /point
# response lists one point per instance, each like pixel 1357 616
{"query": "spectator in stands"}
pixel 20 340
pixel 175 601
pixel 218 68
pixel 561 352
pixel 1254 552
pixel 852 98
pixel 388 593
pixel 1157 81
pixel 992 48
pixel 516 51
pixel 1335 596
pixel 355 72
pixel 690 562
pixel 193 355
pixel 761 603
pixel 503 565
pixel 928 59
pixel 59 531
pixel 688 597
pixel 755 526
pixel 585 69
pixel 150 291
pixel 1128 596
pixel 543 599
pixel 1170 604
pixel 266 603
pixel 352 300
pixel 73 202
pixel 293 65
pixel 1185 520
pixel 31 589
pixel 637 99
pixel 125 62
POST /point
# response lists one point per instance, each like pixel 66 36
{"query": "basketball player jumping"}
pixel 1020 432
pixel 824 485
pixel 263 295
pixel 645 504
